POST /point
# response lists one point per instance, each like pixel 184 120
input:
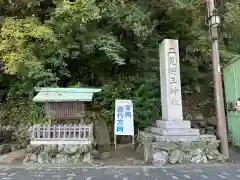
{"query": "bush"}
pixel 143 92
pixel 20 111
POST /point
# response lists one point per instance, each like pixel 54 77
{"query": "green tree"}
pixel 111 44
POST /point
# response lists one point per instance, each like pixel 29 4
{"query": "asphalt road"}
pixel 129 173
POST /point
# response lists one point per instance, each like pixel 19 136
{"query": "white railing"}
pixel 62 134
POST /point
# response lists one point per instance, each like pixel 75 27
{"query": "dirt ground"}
pixel 124 155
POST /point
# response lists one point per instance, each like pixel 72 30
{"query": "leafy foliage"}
pixel 111 44
pixel 20 111
pixel 145 99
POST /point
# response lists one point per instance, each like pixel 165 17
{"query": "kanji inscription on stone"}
pixel 170 80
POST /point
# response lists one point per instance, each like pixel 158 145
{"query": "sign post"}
pixel 123 124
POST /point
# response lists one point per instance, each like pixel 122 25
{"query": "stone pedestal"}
pixel 172 127
pixel 175 132
pixel 173 124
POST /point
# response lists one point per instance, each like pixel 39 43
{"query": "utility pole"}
pixel 214 21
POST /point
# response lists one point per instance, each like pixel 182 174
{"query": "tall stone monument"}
pixel 172 127
pixel 173 140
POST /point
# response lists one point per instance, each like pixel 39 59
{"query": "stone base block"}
pixel 208 138
pixel 173 124
pixel 189 152
pixel 175 132
pixel 58 154
pixel 181 149
pixel 176 138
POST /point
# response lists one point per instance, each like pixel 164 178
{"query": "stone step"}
pixel 175 132
pixel 160 138
pixel 173 124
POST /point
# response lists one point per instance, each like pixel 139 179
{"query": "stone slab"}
pixel 175 138
pixel 171 96
pixel 173 124
pixel 175 132
pixel 207 137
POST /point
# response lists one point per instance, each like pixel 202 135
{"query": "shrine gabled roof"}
pixel 65 94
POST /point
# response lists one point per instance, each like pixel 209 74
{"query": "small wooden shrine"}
pixel 64 104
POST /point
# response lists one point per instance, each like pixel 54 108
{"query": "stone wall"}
pixel 56 154
pixel 206 126
pixel 13 138
pixel 204 150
